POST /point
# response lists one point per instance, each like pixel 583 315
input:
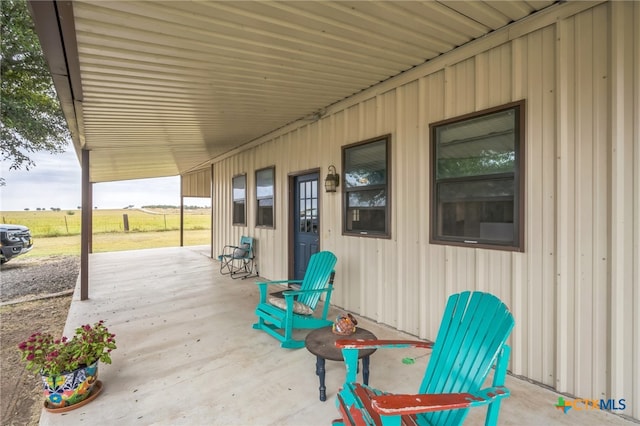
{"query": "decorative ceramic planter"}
pixel 67 389
pixel 344 325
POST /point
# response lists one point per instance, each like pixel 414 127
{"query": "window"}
pixel 307 199
pixel 366 188
pixel 477 179
pixel 264 197
pixel 239 184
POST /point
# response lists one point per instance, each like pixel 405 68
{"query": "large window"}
pixel 366 188
pixel 239 187
pixel 264 197
pixel 477 179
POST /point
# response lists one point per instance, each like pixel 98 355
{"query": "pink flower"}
pixel 50 356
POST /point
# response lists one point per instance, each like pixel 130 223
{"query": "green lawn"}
pixel 67 222
pixel 70 245
pixel 58 232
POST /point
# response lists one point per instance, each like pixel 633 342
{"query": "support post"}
pixel 85 230
pixel 181 214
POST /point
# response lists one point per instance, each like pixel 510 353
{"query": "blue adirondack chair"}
pixel 279 316
pixel 239 261
pixel 471 340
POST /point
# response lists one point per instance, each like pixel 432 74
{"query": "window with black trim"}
pixel 477 179
pixel 367 202
pixel 265 191
pixel 239 187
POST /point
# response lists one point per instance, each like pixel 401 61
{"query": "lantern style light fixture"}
pixel 332 181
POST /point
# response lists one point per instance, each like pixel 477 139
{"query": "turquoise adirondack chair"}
pixel 279 316
pixel 471 340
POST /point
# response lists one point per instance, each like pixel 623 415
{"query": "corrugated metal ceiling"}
pixel 169 85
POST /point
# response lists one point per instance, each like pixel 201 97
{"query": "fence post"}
pixel 125 218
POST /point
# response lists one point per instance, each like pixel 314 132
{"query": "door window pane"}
pixel 308 193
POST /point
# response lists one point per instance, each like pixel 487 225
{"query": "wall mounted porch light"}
pixel 332 181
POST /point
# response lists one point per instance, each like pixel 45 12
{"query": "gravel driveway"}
pixel 27 278
pixel 25 307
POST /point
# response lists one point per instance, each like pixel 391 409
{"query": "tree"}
pixel 31 117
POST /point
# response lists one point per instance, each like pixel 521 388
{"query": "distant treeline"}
pixel 155 206
pixel 165 206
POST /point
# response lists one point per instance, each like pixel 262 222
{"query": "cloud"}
pixel 56 182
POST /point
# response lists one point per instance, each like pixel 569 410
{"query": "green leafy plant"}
pixel 50 357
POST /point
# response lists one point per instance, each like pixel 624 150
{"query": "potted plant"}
pixel 68 367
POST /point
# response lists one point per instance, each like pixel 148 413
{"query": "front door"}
pixel 306 222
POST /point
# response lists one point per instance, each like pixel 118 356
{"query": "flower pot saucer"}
pixel 97 388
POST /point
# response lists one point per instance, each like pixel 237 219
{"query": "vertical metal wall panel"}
pixel 406 215
pixel 197 184
pixel 333 218
pixel 535 82
pixel 548 197
pixel 590 333
pixel 634 117
pixel 533 190
pixel 565 209
pixel 601 216
pixel 583 171
pixel 385 122
pixel 421 232
pixel 434 256
pixel 494 77
pixel 624 339
pixel 584 203
pixel 519 336
pixel 574 290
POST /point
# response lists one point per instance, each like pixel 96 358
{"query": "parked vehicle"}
pixel 14 241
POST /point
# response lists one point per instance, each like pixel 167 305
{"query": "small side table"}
pixel 321 343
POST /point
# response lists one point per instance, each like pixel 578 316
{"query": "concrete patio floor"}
pixel 187 354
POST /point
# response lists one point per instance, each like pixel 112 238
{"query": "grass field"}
pixel 70 245
pixel 67 222
pixel 58 233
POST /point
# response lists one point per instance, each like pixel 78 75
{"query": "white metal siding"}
pixel 575 290
pixel 197 184
pixel 624 293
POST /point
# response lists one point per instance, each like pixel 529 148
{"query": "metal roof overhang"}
pixel 162 88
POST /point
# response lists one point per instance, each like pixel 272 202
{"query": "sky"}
pixel 55 182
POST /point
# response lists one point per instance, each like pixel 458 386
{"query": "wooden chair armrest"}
pixel 378 344
pixel 263 285
pixel 351 348
pixel 279 282
pixel 422 403
pixel 299 292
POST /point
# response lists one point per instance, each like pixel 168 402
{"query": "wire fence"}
pixel 58 223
